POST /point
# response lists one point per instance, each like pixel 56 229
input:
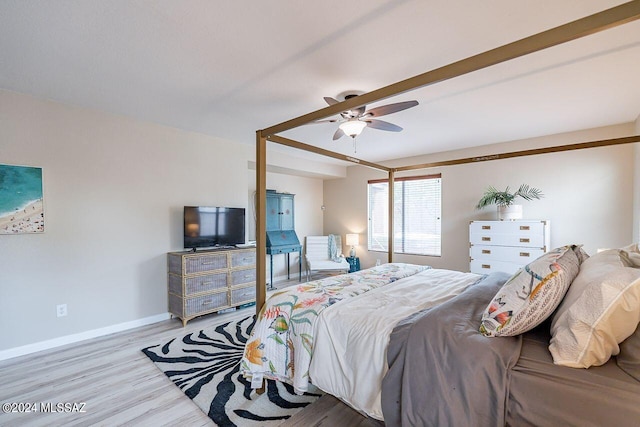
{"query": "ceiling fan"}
pixel 354 121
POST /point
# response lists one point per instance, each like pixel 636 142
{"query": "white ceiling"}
pixel 227 68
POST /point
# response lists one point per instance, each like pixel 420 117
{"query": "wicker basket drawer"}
pixel 202 263
pixel 196 284
pixel 240 277
pixel 243 258
pixel 243 295
pixel 186 307
pixel 208 282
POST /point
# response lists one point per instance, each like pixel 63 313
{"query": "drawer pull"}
pixel 206 283
pixel 527 254
pixel 486 251
pixel 207 302
pixel 525 227
pixel 248 276
pixel 246 259
pixel 524 240
pixel 486 266
pixel 486 239
pixel 206 262
pixel 486 227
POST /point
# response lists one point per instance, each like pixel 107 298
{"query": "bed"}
pixel 443 372
pixel 400 343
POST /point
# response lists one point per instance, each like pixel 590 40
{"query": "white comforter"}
pixel 351 337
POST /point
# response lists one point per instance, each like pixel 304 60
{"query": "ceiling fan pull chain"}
pixel 354 145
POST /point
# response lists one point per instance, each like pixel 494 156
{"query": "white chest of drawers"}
pixel 506 245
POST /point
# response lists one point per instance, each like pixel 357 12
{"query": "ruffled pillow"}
pixel 600 310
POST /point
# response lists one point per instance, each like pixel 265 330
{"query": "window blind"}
pixel 417 215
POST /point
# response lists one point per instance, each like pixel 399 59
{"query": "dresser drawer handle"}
pixel 206 283
pixel 486 251
pixel 207 302
pixel 486 266
pixel 524 240
pixel 206 262
pixel 527 254
pixel 525 227
pixel 486 227
pixel 248 276
pixel 486 239
pixel 247 259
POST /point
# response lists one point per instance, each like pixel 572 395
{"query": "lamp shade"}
pixel 352 127
pixel 352 240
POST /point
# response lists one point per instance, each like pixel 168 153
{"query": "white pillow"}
pixel 600 310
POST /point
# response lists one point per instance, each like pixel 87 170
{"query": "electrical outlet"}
pixel 61 310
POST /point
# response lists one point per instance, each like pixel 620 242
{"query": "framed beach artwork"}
pixel 21 200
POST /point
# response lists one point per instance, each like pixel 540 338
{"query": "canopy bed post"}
pixel 261 220
pixel 469 306
pixel 391 230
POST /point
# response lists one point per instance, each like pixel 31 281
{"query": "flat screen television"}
pixel 206 226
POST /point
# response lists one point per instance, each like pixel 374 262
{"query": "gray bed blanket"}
pixel 443 372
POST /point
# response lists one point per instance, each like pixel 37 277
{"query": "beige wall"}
pixel 114 189
pixel 588 195
pixel 636 187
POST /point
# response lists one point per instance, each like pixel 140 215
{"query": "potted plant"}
pixel 505 200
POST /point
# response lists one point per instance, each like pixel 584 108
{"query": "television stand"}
pixel 210 280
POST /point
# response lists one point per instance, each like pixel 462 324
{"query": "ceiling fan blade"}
pixel 329 100
pixel 382 125
pixel 324 121
pixel 390 108
pixel 339 134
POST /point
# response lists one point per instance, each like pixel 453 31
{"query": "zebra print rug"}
pixel 205 365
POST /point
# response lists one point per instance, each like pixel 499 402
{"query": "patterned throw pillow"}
pixel 532 293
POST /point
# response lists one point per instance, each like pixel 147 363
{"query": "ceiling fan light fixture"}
pixel 353 127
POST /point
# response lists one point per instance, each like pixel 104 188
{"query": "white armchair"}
pixel 316 253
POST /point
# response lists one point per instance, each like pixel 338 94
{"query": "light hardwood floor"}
pixel 119 385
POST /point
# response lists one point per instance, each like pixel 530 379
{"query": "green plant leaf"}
pixel 492 196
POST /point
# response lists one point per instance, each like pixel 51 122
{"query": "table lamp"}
pixel 352 240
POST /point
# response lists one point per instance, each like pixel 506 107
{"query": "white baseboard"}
pixel 70 339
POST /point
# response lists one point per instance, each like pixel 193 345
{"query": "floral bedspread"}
pixel 281 344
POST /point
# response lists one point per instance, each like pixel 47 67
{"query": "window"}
pixel 417 208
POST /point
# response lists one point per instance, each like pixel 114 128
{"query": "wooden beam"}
pixel 391 228
pixel 306 147
pixel 532 152
pixel 261 221
pixel 591 24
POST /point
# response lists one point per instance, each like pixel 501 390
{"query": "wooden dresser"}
pixel 210 280
pixel 506 245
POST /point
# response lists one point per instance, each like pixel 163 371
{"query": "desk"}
pixel 285 250
pixel 284 242
pixel 354 262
